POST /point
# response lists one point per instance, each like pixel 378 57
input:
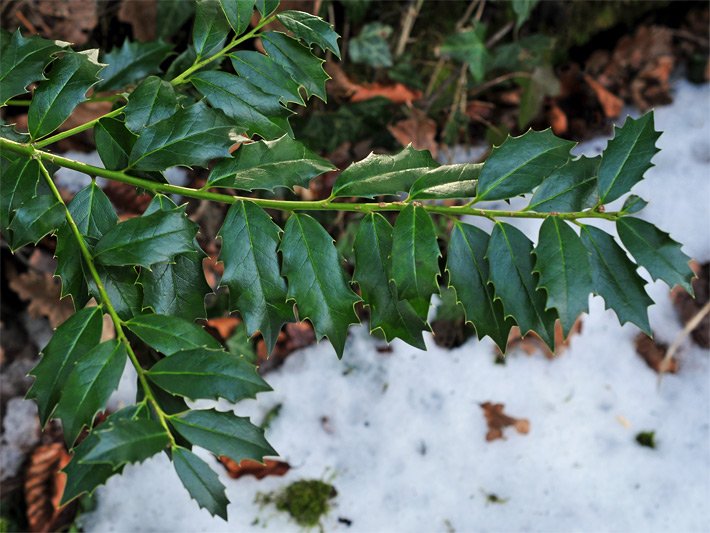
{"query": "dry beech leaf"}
pixel 688 307
pixel 44 485
pixel 419 130
pixel 42 291
pixel 142 16
pixel 653 353
pixel 342 86
pixel 611 104
pixel 497 420
pixel 254 468
pixel 69 20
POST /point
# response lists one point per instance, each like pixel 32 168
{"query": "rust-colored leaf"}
pixel 254 468
pixel 44 485
pixel 42 291
pixel 497 421
pixel 653 353
pixel 419 130
pixel 611 104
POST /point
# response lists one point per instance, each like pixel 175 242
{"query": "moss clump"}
pixel 647 438
pixel 306 500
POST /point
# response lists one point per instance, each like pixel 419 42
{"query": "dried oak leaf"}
pixel 142 16
pixel 611 104
pixel 69 20
pixel 419 130
pixel 342 86
pixel 687 307
pixel 44 485
pixel 497 420
pixel 42 291
pixel 254 468
pixel 654 353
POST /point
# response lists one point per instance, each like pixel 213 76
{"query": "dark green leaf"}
pixel 415 257
pixel 211 28
pixel 19 184
pixel 469 47
pixel 131 63
pixel 83 478
pixel 192 136
pixel 147 240
pixel 22 61
pixel 469 274
pixel 539 85
pixel 70 267
pixel 55 99
pixel 122 289
pixel 654 250
pixel 627 157
pixel 304 68
pixel 511 260
pixel 384 174
pixel 572 187
pixel 311 29
pixel 565 274
pixel 253 111
pixel 114 143
pixel 447 181
pixel 316 281
pixel 370 46
pixel 172 15
pixel 615 278
pixel 168 334
pixel 521 163
pixel 223 434
pixel 201 482
pixel 395 317
pixel 268 165
pixel 92 211
pixel 261 71
pixel 266 7
pixel 34 219
pixel 151 101
pixel 127 441
pixel 208 374
pixel 79 334
pixel 94 377
pixel 633 204
pixel 238 14
pixel 176 287
pixel 250 240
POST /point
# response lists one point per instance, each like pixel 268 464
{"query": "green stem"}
pixel 286 205
pixel 78 129
pixel 19 103
pixel 106 303
pixel 183 78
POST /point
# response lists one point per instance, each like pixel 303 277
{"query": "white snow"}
pixel 405 445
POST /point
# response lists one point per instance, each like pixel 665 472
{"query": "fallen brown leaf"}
pixel 557 119
pixel 419 130
pixel 653 353
pixel 142 16
pixel 69 20
pixel 688 307
pixel 342 86
pixel 44 485
pixel 42 291
pixel 254 468
pixel 224 326
pixel 497 420
pixel 611 104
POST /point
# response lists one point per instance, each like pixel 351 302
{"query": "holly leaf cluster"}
pixel 145 273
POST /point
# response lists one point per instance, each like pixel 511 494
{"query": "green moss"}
pixel 307 501
pixel 647 438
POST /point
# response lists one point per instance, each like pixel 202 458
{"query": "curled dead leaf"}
pixel 44 485
pixel 42 291
pixel 611 104
pixel 653 353
pixel 254 468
